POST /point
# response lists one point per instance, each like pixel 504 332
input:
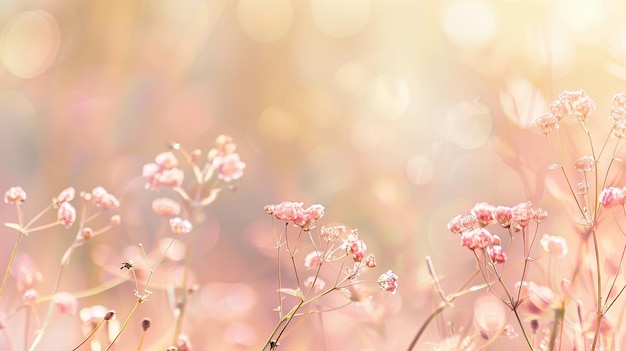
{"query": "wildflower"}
pixel 65 195
pixel 504 215
pixel 163 172
pixel 229 167
pixel 388 282
pixel 287 211
pixel 585 164
pixel 612 197
pixel 102 198
pixel 66 214
pixel 554 245
pixel 354 246
pixel 370 261
pixel 539 215
pixel 30 296
pixel 183 343
pixel 582 188
pixel 65 303
pixel 14 195
pixel 165 206
pixel 547 123
pixel 180 226
pixel 478 238
pixel 462 223
pixel 329 234
pixel 522 213
pixel 577 103
pixel 484 213
pixel 496 254
pixel 558 109
pixel 306 218
pixel 618 110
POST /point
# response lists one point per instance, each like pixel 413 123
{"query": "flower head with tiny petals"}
pixel 66 214
pixel 229 167
pixel 547 123
pixel 163 172
pixel 388 282
pixel 180 226
pixel 612 197
pixel 14 195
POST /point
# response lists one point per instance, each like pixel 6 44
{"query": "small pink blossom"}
pixel 612 197
pixel 585 164
pixel 554 245
pixel 66 214
pixel 229 167
pixel 306 218
pixel 102 198
pixel 329 234
pixel 355 246
pixel 582 188
pixel 484 213
pixel 165 206
pixel 539 215
pixel 504 215
pixel 183 343
pixel 14 195
pixel 65 303
pixel 287 211
pixel 180 226
pixel 388 282
pixel 547 123
pixel 558 109
pixel 65 195
pixel 577 103
pixel 497 254
pixel 163 173
pixel 370 261
pixel 30 296
pixel 461 223
pixel 478 238
pixel 618 110
pixel 522 213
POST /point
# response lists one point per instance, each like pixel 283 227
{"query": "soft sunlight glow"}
pixel 469 22
pixel 340 18
pixel 265 21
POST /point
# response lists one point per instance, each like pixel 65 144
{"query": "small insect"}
pixel 128 264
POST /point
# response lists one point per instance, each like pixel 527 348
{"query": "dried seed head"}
pixel 145 324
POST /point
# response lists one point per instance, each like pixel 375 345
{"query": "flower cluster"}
pixel 294 212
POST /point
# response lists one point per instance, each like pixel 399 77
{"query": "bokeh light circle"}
pixel 265 21
pixel 340 18
pixel 469 22
pixel 420 170
pixel 468 124
pixel 29 43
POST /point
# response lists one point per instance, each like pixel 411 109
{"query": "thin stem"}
pixel 130 315
pixel 91 333
pixel 7 272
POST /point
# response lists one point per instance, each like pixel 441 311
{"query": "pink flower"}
pixel 14 195
pixel 329 234
pixel 585 164
pixel 478 238
pixel 388 282
pixel 484 213
pixel 180 226
pixel 183 343
pixel 539 215
pixel 618 110
pixel 497 254
pixel 66 214
pixel 522 213
pixel 462 223
pixel 554 245
pixel 577 103
pixel 103 199
pixel 547 123
pixel 65 195
pixel 612 196
pixel 30 296
pixel 165 206
pixel 504 215
pixel 163 172
pixel 287 211
pixel 370 261
pixel 306 218
pixel 229 167
pixel 354 246
pixel 65 303
pixel 558 109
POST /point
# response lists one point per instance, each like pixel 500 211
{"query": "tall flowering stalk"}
pixel 334 246
pixel 221 166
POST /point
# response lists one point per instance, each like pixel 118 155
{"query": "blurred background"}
pixel 395 115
